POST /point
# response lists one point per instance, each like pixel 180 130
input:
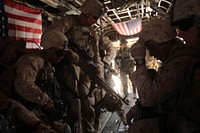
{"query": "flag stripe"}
pixel 116 28
pixel 128 28
pixel 24 22
pixel 122 29
pixel 13 7
pixel 25 29
pixel 28 19
pixel 31 45
pixel 25 35
pixel 132 32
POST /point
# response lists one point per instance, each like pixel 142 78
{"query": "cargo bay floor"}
pixel 110 122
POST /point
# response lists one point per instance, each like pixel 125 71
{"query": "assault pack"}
pixel 188 98
pixel 10 52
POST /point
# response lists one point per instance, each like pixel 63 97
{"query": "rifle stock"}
pixel 86 64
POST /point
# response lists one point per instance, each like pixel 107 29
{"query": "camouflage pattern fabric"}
pixel 93 7
pixel 170 79
pixel 87 39
pixel 28 73
pixel 68 81
pixel 126 65
pixel 157 30
pixel 126 62
pixel 183 10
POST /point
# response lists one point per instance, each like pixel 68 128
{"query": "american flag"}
pixel 23 22
pixel 129 27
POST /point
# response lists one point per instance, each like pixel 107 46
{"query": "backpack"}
pixel 185 116
pixel 188 108
pixel 10 52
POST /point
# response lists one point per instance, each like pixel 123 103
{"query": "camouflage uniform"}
pixel 17 115
pixel 163 91
pixel 106 45
pixel 26 116
pixel 20 116
pixel 126 65
pixel 152 93
pixel 66 75
pixel 28 74
pixel 85 37
pixel 33 70
pixel 107 53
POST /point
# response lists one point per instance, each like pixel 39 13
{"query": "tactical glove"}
pixel 71 57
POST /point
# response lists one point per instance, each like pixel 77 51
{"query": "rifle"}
pixel 53 91
pixel 87 65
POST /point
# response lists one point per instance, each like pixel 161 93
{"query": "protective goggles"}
pixel 61 51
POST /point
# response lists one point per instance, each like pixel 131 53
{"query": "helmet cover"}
pixel 157 30
pixel 53 39
pixel 183 9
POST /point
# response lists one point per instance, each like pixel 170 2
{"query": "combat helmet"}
pixel 157 30
pixel 183 12
pixel 93 7
pixel 53 39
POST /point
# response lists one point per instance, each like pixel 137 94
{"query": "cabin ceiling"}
pixel 115 11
